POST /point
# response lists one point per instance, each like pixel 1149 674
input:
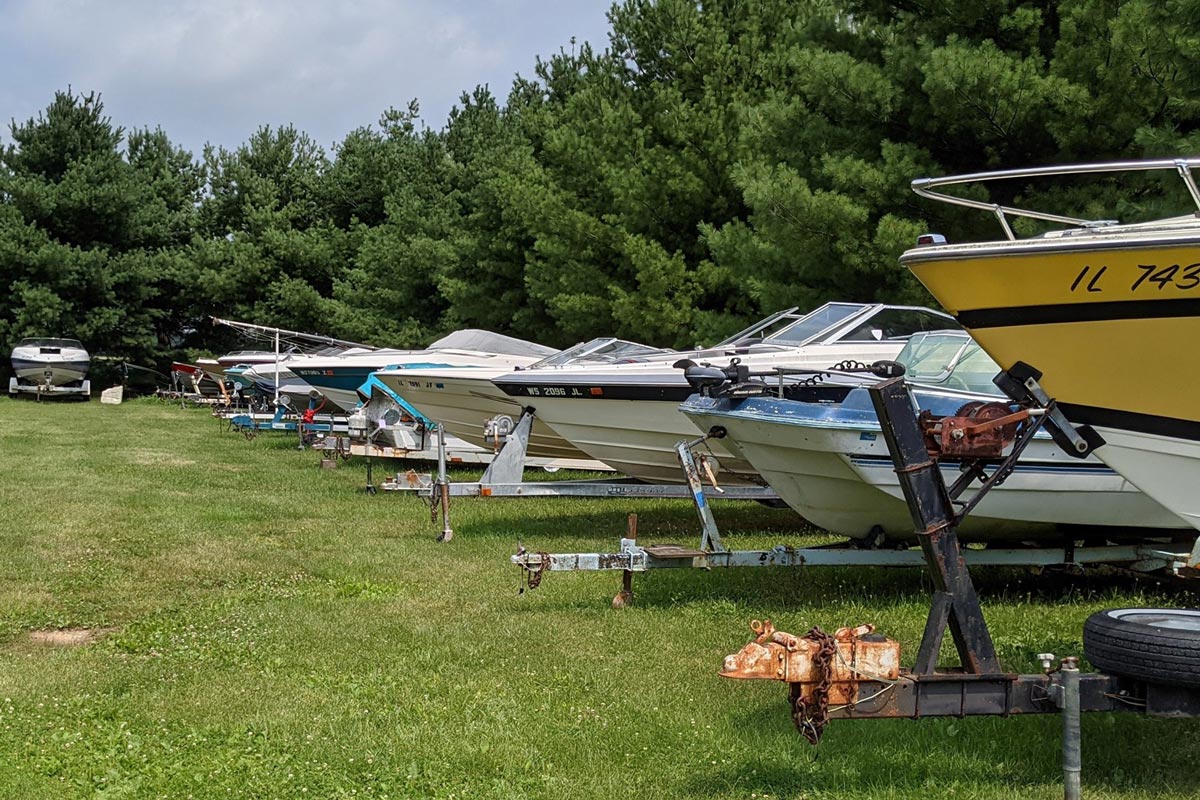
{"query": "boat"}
pixel 821 448
pixel 47 365
pixel 264 377
pixel 1104 310
pixel 463 399
pixel 626 415
pixel 260 371
pixel 339 377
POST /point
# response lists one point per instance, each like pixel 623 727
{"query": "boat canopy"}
pixel 488 342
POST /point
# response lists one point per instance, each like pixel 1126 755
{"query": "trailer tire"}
pixel 1156 645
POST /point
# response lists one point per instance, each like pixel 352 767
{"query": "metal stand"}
pixel 442 488
pixel 955 602
pixel 504 478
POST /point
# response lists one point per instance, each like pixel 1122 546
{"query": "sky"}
pixel 214 71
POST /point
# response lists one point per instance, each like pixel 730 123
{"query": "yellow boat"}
pixel 1108 312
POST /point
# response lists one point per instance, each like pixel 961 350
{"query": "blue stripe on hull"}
pixel 1022 466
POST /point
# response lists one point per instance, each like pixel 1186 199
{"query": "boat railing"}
pixel 926 187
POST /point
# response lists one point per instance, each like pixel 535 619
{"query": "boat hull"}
pixel 463 402
pixel 840 477
pixel 629 417
pixel 340 379
pixel 61 368
pixel 339 385
pixel 637 437
pixel 1102 316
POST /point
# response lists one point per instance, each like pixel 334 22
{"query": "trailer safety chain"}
pixel 533 575
pixel 435 500
pixel 810 717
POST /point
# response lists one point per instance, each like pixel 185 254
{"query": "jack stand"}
pixel 1068 700
pixel 370 488
pixel 441 493
pixel 710 536
pixel 624 598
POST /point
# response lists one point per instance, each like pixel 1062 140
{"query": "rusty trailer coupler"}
pixel 820 668
pixel 776 655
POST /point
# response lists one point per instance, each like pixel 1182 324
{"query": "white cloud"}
pixel 214 70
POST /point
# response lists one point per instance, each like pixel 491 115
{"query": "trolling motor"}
pixel 738 380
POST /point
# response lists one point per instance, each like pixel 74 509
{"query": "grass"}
pixel 274 633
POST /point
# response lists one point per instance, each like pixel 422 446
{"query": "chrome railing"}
pixel 925 187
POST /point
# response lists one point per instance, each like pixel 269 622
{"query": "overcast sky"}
pixel 215 70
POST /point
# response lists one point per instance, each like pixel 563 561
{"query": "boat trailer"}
pixel 504 478
pixel 44 388
pixel 711 553
pixel 307 424
pixel 855 673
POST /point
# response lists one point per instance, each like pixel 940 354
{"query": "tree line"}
pixel 707 165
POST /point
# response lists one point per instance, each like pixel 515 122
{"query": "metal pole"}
pixel 1072 760
pixel 276 368
pixel 443 486
pixel 624 597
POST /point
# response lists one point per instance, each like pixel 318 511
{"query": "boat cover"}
pixel 487 342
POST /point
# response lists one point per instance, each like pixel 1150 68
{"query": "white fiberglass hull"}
pixel 461 399
pixel 842 479
pixel 637 436
pixel 62 368
pixel 264 377
pixel 339 378
pixel 1166 467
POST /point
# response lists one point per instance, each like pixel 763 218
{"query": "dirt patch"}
pixel 69 637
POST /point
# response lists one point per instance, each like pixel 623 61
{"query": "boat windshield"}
pixel 46 342
pixel 604 350
pixel 810 326
pixel 895 322
pixel 792 328
pixel 950 359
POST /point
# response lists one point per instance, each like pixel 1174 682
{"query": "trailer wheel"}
pixel 1157 645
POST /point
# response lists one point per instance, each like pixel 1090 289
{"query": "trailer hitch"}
pixel 823 671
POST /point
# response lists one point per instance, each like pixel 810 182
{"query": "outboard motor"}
pixel 737 380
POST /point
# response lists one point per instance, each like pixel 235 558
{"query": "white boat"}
pixel 263 369
pixel 826 457
pixel 626 415
pixel 463 398
pixel 1105 311
pixel 55 365
pixel 264 376
pixel 339 377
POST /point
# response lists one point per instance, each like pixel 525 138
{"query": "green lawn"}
pixel 276 633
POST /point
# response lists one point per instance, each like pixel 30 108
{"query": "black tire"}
pixel 1156 645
